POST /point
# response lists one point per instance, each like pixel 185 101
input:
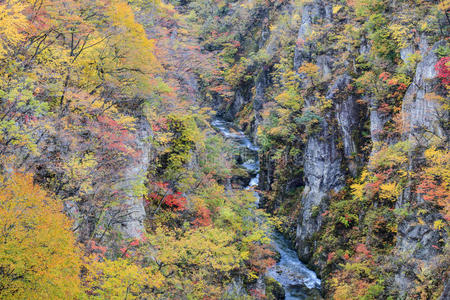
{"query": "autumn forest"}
pixel 224 149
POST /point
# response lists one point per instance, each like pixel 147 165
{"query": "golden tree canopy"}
pixel 38 256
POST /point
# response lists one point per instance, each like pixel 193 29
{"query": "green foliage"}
pixel 214 158
pixel 310 120
pixel 365 8
pixel 199 261
pixel 182 137
pixel 443 51
pixel 383 44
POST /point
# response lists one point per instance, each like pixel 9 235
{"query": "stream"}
pixel 296 279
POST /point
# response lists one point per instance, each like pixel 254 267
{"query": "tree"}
pixel 120 279
pixel 38 255
pixel 435 180
pixel 12 23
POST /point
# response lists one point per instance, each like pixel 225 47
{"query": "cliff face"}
pixel 128 218
pixel 322 161
pixel 422 114
pixel 418 242
pixel 121 219
pixel 322 175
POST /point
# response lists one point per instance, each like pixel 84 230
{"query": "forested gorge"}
pixel 116 184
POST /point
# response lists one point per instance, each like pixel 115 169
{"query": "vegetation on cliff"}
pixel 113 185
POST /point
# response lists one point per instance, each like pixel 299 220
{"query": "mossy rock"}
pixel 314 294
pixel 240 172
pixel 274 289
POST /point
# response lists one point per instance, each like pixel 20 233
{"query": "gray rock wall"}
pixel 322 160
pixel 418 243
pixel 421 114
pixel 128 217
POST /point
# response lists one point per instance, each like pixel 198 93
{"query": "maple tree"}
pixel 443 69
pixel 357 280
pixel 435 180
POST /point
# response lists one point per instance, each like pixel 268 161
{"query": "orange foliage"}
pixel 261 258
pixel 203 217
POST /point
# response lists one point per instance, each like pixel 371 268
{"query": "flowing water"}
pixel 296 279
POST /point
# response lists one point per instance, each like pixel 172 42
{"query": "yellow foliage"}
pixel 199 259
pixel 127 122
pixel 210 248
pixel 444 5
pixel 80 169
pixel 309 69
pixel 390 190
pixel 358 188
pixel 137 48
pixel 120 279
pixel 358 191
pixel 390 156
pixel 38 255
pixel 435 185
pixel 122 51
pixel 439 164
pixel 336 8
pixel 12 25
pixel 438 224
pixel 401 34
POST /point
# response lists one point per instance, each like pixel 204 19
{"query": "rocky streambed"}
pixel 296 279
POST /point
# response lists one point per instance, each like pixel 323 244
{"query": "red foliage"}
pixel 384 76
pixel 384 109
pixel 257 293
pixel 362 250
pixel 330 257
pixel 172 200
pixel 154 196
pixel 143 238
pixel 162 185
pixel 134 243
pixel 261 258
pixel 155 127
pixel 203 217
pixel 124 251
pixel 442 67
pixel 236 44
pixel 428 188
pixel 392 82
pixel 325 213
pixel 176 201
pixel 221 89
pixel 402 87
pixel 96 248
pixel 160 124
pixel 436 193
pixel 115 136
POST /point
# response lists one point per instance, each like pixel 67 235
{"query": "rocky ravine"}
pixel 331 155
